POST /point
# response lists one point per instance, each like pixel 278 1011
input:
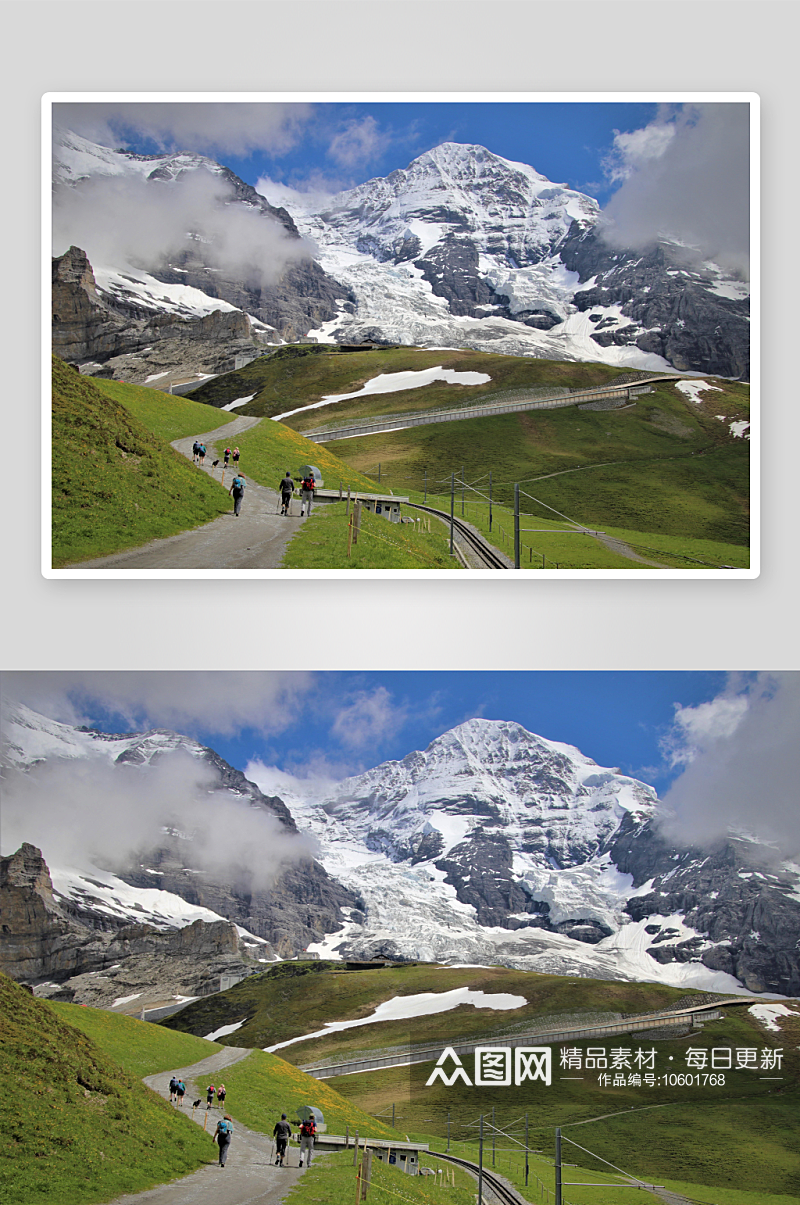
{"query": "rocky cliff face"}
pixel 120 310
pixel 740 899
pixel 300 904
pixel 93 325
pixel 46 938
pixel 685 313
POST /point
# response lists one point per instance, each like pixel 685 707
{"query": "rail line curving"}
pixel 489 556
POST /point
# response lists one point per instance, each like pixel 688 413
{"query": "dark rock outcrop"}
pixel 669 304
pixel 90 325
pixel 744 905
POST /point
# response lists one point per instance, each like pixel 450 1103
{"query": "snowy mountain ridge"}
pixel 491 846
pixel 462 248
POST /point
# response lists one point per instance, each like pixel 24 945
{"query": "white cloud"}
pixel 368 718
pixel 220 701
pixel 358 142
pixel 686 176
pixel 695 727
pixel 230 127
pixel 90 808
pixel 132 220
pixel 742 757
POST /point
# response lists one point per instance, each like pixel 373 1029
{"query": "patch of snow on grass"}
pixel 224 1030
pixel 126 999
pixel 424 1004
pixel 395 382
pixel 693 389
pixel 740 429
pixel 768 1014
pixel 239 401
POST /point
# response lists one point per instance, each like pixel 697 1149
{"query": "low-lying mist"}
pixel 89 811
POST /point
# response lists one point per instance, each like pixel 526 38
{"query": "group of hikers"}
pixel 239 485
pixel 283 1132
pixel 307 487
pixel 223 1134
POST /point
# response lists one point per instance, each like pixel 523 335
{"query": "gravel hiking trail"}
pixel 249 1177
pixel 257 539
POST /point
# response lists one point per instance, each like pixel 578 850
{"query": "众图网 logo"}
pixel 494 1066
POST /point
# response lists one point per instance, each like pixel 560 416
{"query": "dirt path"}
pixel 249 1176
pixel 257 539
pixel 623 549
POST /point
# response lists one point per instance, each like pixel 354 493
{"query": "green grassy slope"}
pixel 142 1049
pixel 322 543
pixel 664 466
pixel 76 1126
pixel 296 998
pixel 116 485
pixel 739 1134
pixel 299 376
pixel 269 449
pixel 168 416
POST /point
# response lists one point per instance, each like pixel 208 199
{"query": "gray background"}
pixel 414 45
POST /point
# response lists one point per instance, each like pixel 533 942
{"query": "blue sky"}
pixel 337 145
pixel 340 723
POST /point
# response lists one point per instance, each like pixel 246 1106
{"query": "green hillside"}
pixel 115 484
pixel 666 474
pixel 168 416
pixel 295 998
pixel 76 1126
pixel 300 376
pixel 734 1133
pixel 665 466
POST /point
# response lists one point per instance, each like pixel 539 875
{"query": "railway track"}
pixel 482 550
pixel 492 1183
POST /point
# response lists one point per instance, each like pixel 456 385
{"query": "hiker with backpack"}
pixel 210 1093
pixel 307 487
pixel 307 1132
pixel 237 489
pixel 235 457
pixel 227 457
pixel 173 1085
pixel 221 1090
pixel 222 1136
pixel 202 453
pixel 287 489
pixel 195 451
pixel 180 1092
pixel 282 1133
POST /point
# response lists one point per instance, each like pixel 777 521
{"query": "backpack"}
pixel 224 1127
pixel 307 1129
pixel 238 485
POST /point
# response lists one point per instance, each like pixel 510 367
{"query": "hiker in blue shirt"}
pixel 222 1137
pixel 237 489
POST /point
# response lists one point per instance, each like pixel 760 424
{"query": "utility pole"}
pixel 379 471
pixel 558 1167
pixel 392 1114
pixel 526 1150
pixel 494 1136
pixel 452 504
pixel 490 500
pixel 463 487
pixel 426 483
pixel 480 1167
pixel 516 527
pixel 448 1129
